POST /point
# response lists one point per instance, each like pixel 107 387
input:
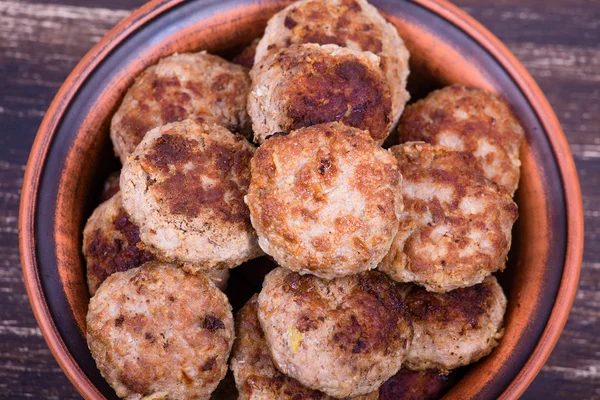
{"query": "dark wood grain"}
pixel 42 40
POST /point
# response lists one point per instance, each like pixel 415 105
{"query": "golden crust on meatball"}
pixel 158 331
pixel 309 84
pixel 456 225
pixel 111 243
pixel 325 200
pixel 184 186
pixel 344 337
pixel 472 120
pixel 255 374
pixel 354 24
pixel 198 86
pixel 455 328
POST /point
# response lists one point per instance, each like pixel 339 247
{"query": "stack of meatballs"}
pixel 384 257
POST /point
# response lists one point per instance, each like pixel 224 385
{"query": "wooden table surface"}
pixel 558 41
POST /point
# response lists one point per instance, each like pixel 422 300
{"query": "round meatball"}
pixel 325 200
pixel 456 226
pixel 255 374
pixel 158 331
pixel 184 186
pixel 354 24
pixel 198 86
pixel 455 328
pixel 111 243
pixel 344 337
pixel 472 120
pixel 308 84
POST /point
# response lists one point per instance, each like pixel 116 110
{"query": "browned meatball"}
pixel 325 200
pixel 309 84
pixel 455 328
pixel 354 24
pixel 184 186
pixel 344 337
pixel 111 243
pixel 472 120
pixel 198 86
pixel 255 374
pixel 456 226
pixel 160 332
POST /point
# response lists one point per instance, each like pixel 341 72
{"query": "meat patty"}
pixel 344 337
pixel 255 374
pixel 354 24
pixel 455 328
pixel 325 200
pixel 309 84
pixel 184 186
pixel 473 120
pixel 160 332
pixel 456 226
pixel 199 86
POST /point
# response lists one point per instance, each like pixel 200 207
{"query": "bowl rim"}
pixel 453 14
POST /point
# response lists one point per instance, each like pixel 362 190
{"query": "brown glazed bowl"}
pixel 72 155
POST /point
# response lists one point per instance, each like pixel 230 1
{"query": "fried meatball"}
pixel 456 226
pixel 354 24
pixel 309 84
pixel 255 374
pixel 325 200
pixel 184 186
pixel 111 243
pixel 472 120
pixel 455 328
pixel 198 86
pixel 344 337
pixel 429 384
pixel 158 331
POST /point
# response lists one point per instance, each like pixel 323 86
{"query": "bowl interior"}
pixel 80 157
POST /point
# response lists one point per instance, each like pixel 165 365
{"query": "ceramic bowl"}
pixel 72 155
